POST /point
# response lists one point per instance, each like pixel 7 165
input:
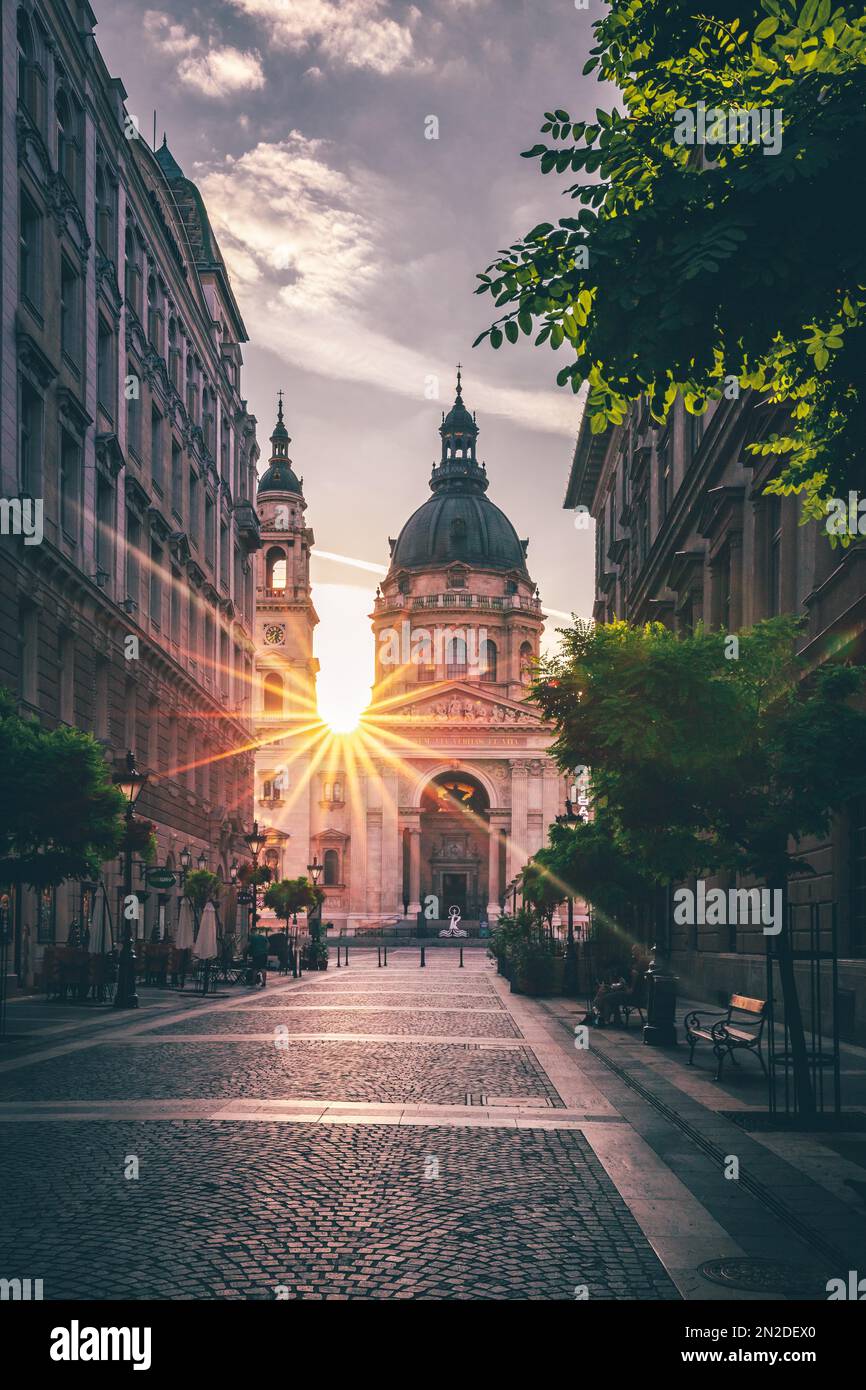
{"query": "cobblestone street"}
pixel 374 1133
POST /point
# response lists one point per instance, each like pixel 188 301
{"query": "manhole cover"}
pixel 761 1276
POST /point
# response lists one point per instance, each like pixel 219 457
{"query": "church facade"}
pixel 446 789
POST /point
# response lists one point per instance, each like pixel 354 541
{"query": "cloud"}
pixel 350 33
pixel 222 71
pixel 218 71
pixel 315 252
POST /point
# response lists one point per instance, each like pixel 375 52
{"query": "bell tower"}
pixel 284 697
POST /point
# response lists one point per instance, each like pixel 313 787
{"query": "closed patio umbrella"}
pixel 185 928
pixel 205 947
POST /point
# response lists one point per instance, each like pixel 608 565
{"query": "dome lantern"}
pixel 279 476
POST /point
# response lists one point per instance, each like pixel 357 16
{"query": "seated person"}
pixel 607 1001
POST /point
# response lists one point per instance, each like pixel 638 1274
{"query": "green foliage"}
pixel 699 762
pixel 290 895
pixel 139 836
pixel 594 863
pixel 201 887
pixel 678 272
pixel 60 815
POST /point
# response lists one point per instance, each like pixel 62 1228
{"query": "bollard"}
pixel 386 955
pixel 423 961
pixel 339 949
pixel 461 957
pixel 346 961
pixel 379 955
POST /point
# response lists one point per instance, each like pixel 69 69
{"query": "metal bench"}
pixel 740 1028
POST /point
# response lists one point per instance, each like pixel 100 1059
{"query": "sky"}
pixel 353 242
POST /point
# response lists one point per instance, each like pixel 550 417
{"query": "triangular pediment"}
pixel 457 702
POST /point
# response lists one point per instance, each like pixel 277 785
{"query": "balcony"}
pixel 499 603
pixel 247 523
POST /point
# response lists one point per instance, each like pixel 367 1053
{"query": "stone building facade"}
pixel 685 532
pixel 446 789
pixel 122 413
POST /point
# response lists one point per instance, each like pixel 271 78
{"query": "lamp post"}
pixel 131 783
pixel 314 918
pixel 233 871
pixel 256 842
pixel 570 973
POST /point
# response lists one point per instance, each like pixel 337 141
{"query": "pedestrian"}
pixel 258 953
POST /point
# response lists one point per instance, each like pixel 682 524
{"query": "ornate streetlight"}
pixel 570 980
pixel 256 842
pixel 131 783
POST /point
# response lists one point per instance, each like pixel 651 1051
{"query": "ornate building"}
pixel 446 788
pixel 121 415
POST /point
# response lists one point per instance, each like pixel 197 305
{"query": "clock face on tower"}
pixel 275 634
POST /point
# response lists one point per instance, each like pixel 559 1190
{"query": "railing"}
pixel 490 602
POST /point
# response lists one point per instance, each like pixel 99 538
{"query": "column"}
pixel 518 852
pixel 551 797
pixel 494 887
pixel 392 848
pixel 414 870
pixel 358 886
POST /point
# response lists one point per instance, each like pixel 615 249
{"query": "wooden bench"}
pixel 740 1028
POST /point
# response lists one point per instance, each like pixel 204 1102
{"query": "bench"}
pixel 740 1028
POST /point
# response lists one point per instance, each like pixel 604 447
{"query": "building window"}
pixel 192 629
pixel 30 252
pixel 857 821
pixel 488 661
pixel 156 583
pixel 154 315
pixel 176 479
pixel 69 484
pixel 104 525
pixel 455 659
pixel 191 391
pixel 28 679
pixel 723 575
pixel 156 447
pixel 209 530
pixel 225 439
pixel 224 556
pixel 207 419
pixel 774 556
pixel 273 691
pixel 70 312
pixel 173 355
pixel 132 273
pixel 332 792
pixel 174 606
pixel 526 662
pixel 105 387
pixel 133 412
pixel 331 873
pixel 275 568
pixel 133 560
pixel 193 507
pixel 29 440
pixel 69 162
pixel 105 215
pixel 694 430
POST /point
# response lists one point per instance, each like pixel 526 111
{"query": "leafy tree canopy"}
pixel 201 887
pixel 702 760
pixel 290 895
pixel 60 815
pixel 684 268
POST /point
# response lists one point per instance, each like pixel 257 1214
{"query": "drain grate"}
pixel 762 1276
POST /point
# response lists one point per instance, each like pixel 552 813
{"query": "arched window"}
pixel 154 314
pixel 331 874
pixel 526 662
pixel 104 214
pixel 488 661
pixel 68 139
pixel 455 658
pixel 191 389
pixel 132 272
pixel 275 568
pixel 26 84
pixel 273 693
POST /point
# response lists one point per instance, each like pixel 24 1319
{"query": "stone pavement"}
pixel 375 1133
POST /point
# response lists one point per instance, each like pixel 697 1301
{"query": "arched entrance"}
pixel 455 814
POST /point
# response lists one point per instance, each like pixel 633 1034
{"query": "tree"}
pixel 700 270
pixel 60 815
pixel 702 762
pixel 590 861
pixel 288 896
pixel 202 887
pixel 543 890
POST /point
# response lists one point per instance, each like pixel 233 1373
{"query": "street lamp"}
pixel 570 981
pixel 131 783
pixel 202 860
pixel 185 859
pixel 256 842
pixel 233 871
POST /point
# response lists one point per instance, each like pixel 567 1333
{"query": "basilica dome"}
pixel 279 476
pixel 459 523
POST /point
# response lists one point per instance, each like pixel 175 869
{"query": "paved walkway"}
pixel 378 1133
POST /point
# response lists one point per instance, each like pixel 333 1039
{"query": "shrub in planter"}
pixel 535 970
pixel 317 956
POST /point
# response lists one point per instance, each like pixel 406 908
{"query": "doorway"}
pixel 453 893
